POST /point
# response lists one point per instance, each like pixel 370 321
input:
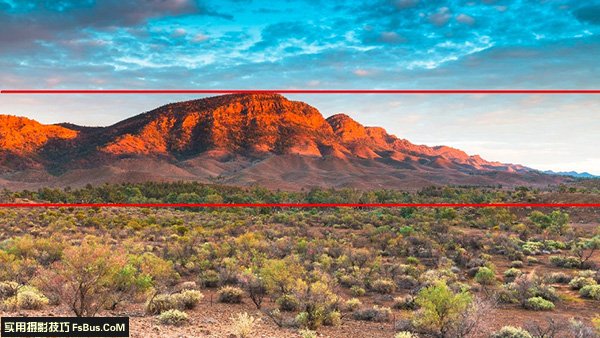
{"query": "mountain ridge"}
pixel 239 138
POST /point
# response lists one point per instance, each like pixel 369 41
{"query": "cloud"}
pixel 589 14
pixel 200 38
pixel 441 17
pixel 362 72
pixel 401 4
pixel 47 20
pixel 466 19
pixel 179 32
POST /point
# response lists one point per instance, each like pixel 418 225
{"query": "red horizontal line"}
pixel 300 91
pixel 299 205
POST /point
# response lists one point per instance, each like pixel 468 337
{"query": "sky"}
pixel 313 44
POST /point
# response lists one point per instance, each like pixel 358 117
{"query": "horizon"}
pixel 407 44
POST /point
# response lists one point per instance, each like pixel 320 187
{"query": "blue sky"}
pixel 400 44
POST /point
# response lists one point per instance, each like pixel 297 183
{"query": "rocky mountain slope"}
pixel 239 139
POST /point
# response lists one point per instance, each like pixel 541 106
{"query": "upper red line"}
pixel 300 91
pixel 300 205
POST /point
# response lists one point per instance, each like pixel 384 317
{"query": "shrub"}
pixel 558 277
pixel 332 318
pixel 30 298
pixel 357 291
pixel 579 329
pixel 539 304
pixel 511 332
pixel 130 282
pixel 242 325
pixel 288 303
pixel 210 279
pixel 317 301
pixel 590 291
pixel 306 333
pixel 532 260
pixel 383 286
pixel 511 274
pixel 230 294
pixel 440 309
pixel 485 276
pixel 255 286
pixel 405 334
pixel 516 264
pixel 579 282
pixel 589 273
pixel 407 282
pixel 374 314
pixel 352 304
pixel 405 303
pixel 412 260
pixel 173 317
pixel 188 299
pixel 596 323
pixel 161 303
pixel 569 262
pixel 546 292
pixel 85 278
pixel 8 289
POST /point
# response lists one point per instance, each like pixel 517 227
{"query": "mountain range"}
pixel 571 174
pixel 239 139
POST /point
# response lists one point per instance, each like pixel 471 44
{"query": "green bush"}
pixel 516 264
pixel 405 334
pixel 188 299
pixel 288 303
pixel 357 291
pixel 352 304
pixel 307 333
pixel 383 286
pixel 546 292
pixel 569 262
pixel 161 303
pixel 539 304
pixel 485 276
pixel 579 282
pixel 332 318
pixel 210 279
pixel 512 273
pixel 511 332
pixel 412 260
pixel 230 294
pixel 173 317
pixel 590 291
pixel 440 309
pixel 30 298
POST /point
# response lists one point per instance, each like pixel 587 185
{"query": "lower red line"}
pixel 300 91
pixel 299 205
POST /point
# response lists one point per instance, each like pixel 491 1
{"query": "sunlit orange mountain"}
pixel 241 139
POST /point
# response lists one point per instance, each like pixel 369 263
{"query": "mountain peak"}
pixel 20 135
pixel 346 128
pixel 253 122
